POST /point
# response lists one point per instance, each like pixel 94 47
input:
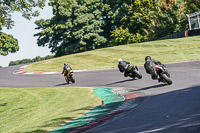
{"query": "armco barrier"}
pixel 181 34
pixel 194 32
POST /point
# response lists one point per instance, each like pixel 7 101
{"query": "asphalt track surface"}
pixel 165 108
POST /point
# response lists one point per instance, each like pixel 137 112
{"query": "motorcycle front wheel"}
pixel 66 80
pixel 72 79
pixel 166 78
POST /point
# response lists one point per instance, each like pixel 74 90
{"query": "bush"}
pixel 120 36
pixel 123 36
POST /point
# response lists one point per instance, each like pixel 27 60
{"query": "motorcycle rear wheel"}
pixel 138 74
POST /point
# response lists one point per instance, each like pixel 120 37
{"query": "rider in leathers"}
pixel 123 66
pixel 66 68
pixel 150 67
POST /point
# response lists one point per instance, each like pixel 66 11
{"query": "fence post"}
pixel 189 21
pixel 198 19
pixel 186 33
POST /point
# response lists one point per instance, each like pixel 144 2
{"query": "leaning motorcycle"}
pixel 163 73
pixel 69 76
pixel 134 72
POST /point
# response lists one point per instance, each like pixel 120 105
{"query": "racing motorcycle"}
pixel 69 77
pixel 134 72
pixel 163 73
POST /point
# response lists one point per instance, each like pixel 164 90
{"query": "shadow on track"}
pixel 175 111
pixel 153 86
pixel 122 81
pixel 61 84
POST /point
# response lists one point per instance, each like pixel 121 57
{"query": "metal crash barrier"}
pixel 194 27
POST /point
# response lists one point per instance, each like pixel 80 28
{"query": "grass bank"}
pixel 173 50
pixel 41 109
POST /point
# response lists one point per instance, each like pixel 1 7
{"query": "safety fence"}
pixel 181 34
pixel 194 27
pixel 194 20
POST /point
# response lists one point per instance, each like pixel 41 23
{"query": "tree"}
pixel 80 25
pixel 134 21
pixel 137 15
pixel 112 13
pixel 150 19
pixel 167 17
pixel 8 44
pixel 120 36
pixel 75 27
pixel 192 6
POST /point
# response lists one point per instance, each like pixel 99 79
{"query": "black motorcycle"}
pixel 163 73
pixel 133 72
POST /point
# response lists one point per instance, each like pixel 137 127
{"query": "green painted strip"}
pixel 107 95
pixel 111 101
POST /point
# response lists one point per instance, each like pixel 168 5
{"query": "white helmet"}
pixel 120 60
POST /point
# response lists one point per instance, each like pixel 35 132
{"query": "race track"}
pixel 165 108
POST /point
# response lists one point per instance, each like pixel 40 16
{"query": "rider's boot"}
pixel 159 80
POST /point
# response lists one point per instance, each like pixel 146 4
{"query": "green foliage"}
pixel 120 36
pixel 135 20
pixel 8 44
pixel 23 6
pixel 139 38
pixel 123 36
pixel 111 12
pixel 166 18
pixel 192 6
pixel 137 17
pixel 152 19
pixel 75 27
pixel 36 59
pixel 85 25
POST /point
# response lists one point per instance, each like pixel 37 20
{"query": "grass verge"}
pixel 42 109
pixel 173 50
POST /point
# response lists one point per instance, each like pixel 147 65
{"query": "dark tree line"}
pixel 25 61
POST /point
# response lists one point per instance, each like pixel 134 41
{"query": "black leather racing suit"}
pixel 123 67
pixel 66 69
pixel 150 67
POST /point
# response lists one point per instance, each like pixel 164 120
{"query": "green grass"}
pixel 173 50
pixel 42 109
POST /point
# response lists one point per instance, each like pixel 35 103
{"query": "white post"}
pixel 198 19
pixel 189 21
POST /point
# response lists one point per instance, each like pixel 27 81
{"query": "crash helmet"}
pixel 119 60
pixel 65 64
pixel 147 58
